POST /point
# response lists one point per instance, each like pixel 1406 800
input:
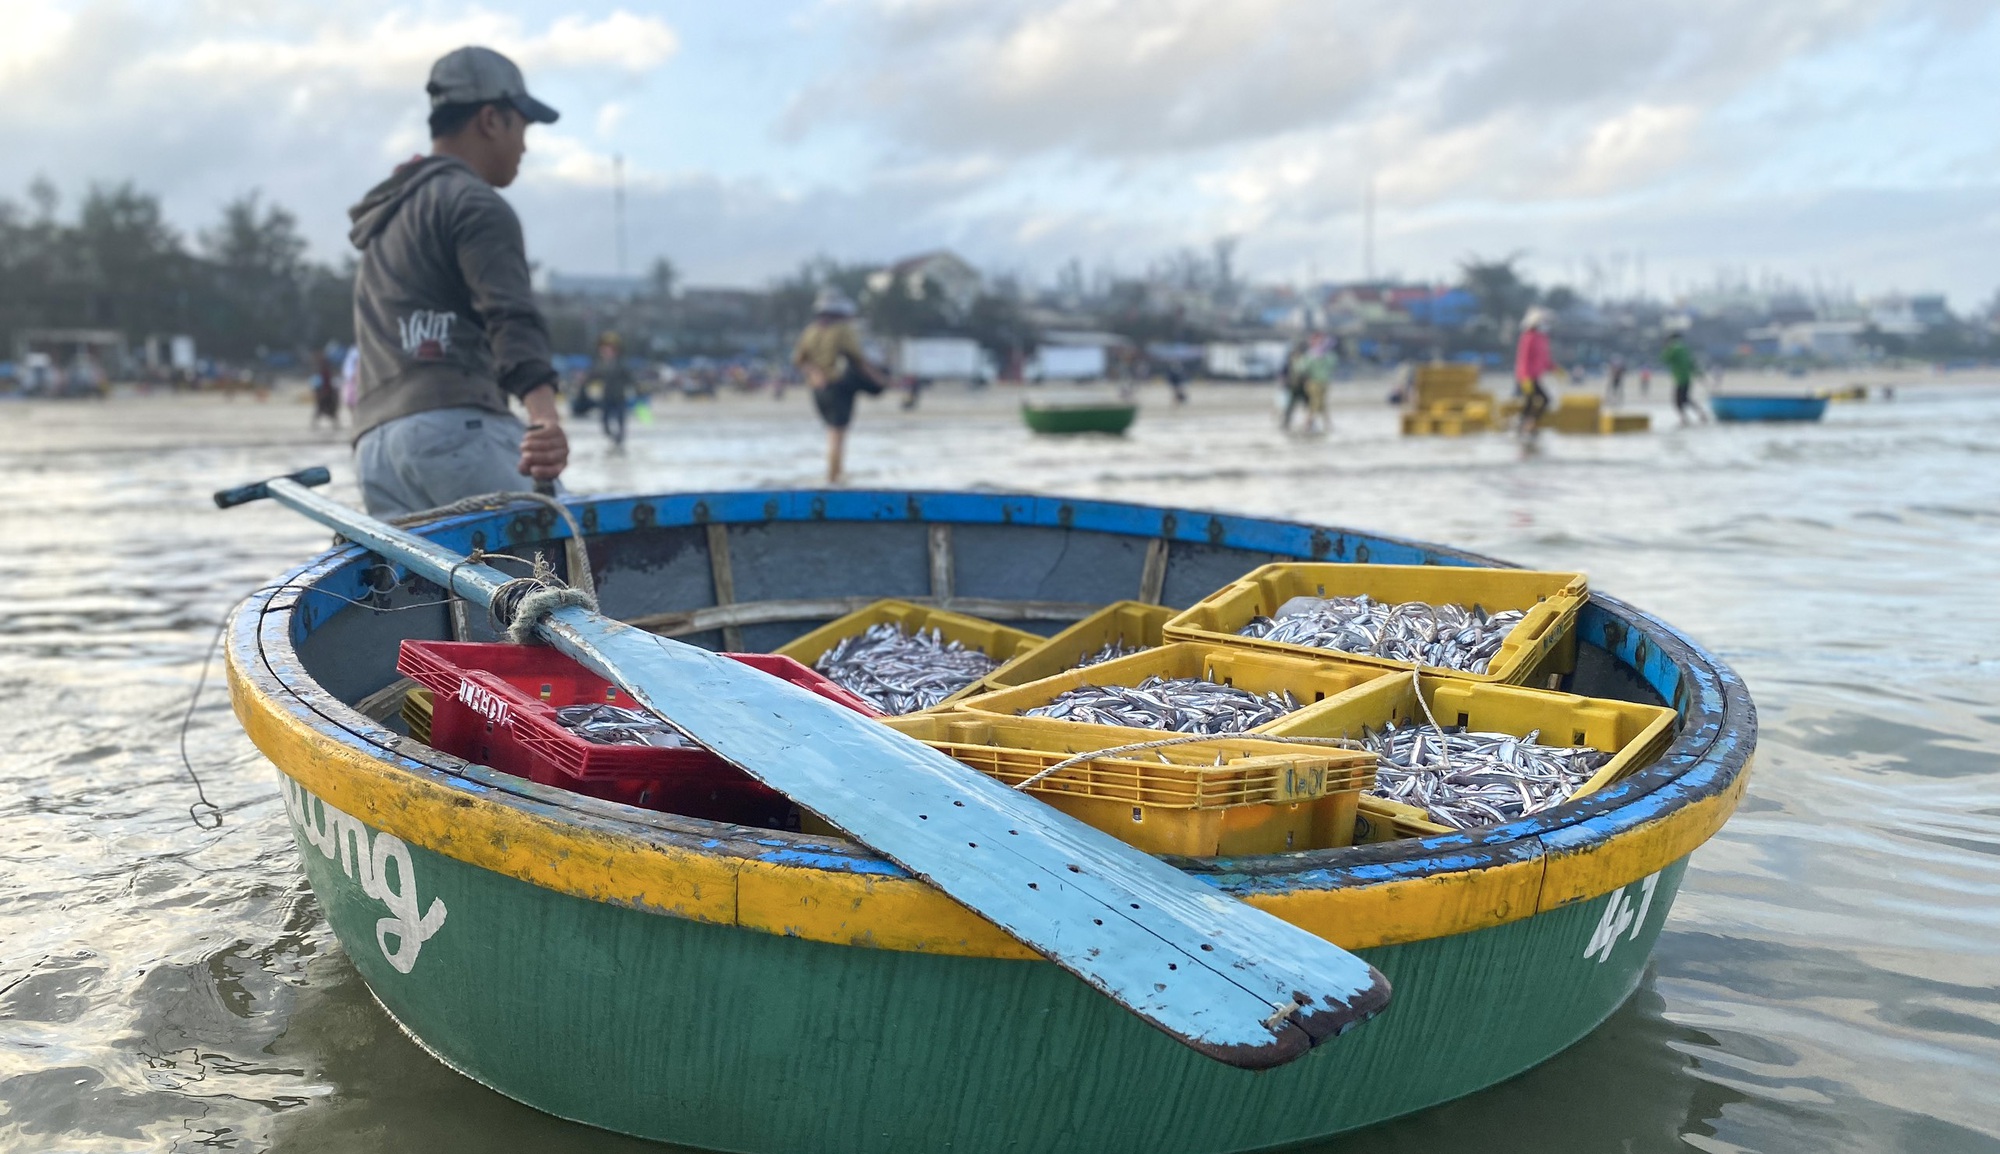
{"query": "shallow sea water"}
pixel 1827 980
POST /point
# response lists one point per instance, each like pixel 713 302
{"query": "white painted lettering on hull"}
pixel 382 865
pixel 1622 917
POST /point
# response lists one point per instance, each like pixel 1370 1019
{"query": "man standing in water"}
pixel 443 312
pixel 614 388
pixel 1679 360
pixel 1292 376
pixel 829 353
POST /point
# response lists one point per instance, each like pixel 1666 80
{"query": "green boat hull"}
pixel 754 990
pixel 730 1039
pixel 1079 418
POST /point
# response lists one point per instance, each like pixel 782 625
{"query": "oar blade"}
pixel 1222 977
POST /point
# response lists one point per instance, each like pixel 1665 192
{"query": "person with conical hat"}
pixel 829 355
pixel 1532 362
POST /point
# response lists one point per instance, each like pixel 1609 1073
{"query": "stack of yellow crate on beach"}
pixel 1446 401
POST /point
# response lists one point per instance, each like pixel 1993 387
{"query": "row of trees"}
pixel 723 322
pixel 241 286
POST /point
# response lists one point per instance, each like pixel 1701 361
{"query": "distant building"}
pixel 1444 308
pixel 1908 316
pixel 1827 340
pixel 944 271
pixel 594 287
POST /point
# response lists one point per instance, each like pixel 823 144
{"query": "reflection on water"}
pixel 1826 981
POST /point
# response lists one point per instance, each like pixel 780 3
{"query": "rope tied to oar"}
pixel 521 604
pixel 575 549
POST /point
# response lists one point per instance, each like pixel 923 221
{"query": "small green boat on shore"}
pixel 739 988
pixel 1079 416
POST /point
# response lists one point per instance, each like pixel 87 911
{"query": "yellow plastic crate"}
pixel 417 714
pixel 1377 819
pixel 1450 419
pixel 1134 623
pixel 1543 639
pixel 1634 734
pixel 1265 797
pixel 1576 413
pixel 1314 680
pixel 999 642
pixel 1624 422
pixel 1439 381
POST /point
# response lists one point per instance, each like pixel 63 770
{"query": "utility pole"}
pixel 618 205
pixel 1368 230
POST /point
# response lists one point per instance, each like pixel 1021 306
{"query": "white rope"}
pixel 539 604
pixel 1190 739
pixel 574 549
pixel 522 604
pixel 1444 747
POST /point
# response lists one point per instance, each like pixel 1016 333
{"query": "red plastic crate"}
pixel 496 705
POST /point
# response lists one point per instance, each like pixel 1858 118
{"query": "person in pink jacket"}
pixel 1532 362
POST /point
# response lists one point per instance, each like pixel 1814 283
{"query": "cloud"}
pixel 309 101
pixel 1030 132
pixel 1511 87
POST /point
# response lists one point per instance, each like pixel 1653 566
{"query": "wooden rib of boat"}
pixel 1079 416
pixel 748 989
pixel 1738 407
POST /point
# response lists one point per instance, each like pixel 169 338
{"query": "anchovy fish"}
pixel 1113 649
pixel 903 672
pixel 1182 704
pixel 1468 778
pixel 1446 636
pixel 616 725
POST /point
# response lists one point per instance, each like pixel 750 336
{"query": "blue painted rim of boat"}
pixel 1718 730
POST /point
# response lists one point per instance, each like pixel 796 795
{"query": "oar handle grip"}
pixel 244 494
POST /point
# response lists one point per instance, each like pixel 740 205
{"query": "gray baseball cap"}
pixel 473 75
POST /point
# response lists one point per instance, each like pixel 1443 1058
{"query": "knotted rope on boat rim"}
pixel 521 604
pixel 575 551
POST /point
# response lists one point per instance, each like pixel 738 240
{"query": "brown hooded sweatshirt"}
pixel 443 310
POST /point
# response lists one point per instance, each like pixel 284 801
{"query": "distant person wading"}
pixel 1532 362
pixel 829 354
pixel 443 312
pixel 1679 360
pixel 614 388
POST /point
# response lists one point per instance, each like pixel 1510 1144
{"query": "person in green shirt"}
pixel 1679 360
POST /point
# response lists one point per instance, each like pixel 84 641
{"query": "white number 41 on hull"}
pixel 1621 918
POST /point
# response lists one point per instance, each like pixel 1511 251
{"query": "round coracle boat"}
pixel 738 988
pixel 1743 407
pixel 1079 416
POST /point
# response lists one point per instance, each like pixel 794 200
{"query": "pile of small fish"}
pixel 903 672
pixel 1112 651
pixel 1181 704
pixel 1468 779
pixel 615 725
pixel 1447 636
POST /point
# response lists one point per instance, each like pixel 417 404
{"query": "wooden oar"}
pixel 1234 983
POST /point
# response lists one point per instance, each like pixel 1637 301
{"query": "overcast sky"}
pixel 1846 142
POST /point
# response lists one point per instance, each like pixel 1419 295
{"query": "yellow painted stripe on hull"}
pixel 1412 909
pixel 894 913
pixel 1638 852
